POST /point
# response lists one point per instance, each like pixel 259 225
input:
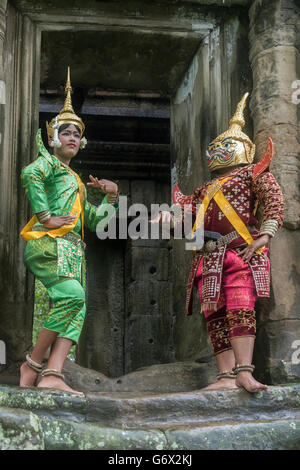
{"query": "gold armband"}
pixel 269 227
pixel 112 198
pixel 43 216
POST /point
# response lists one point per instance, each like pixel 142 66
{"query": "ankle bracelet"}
pixel 243 367
pixel 55 373
pixel 226 375
pixel 33 365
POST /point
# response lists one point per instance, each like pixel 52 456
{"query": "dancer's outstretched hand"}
pixel 105 185
pixel 165 217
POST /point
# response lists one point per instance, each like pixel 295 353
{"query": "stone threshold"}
pixel 144 410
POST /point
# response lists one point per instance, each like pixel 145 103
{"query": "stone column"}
pixel 3 4
pixel 19 117
pixel 274 56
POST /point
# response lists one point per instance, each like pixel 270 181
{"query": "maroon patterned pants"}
pixel 225 324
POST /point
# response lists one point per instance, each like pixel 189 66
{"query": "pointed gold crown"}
pixel 67 114
pixel 236 123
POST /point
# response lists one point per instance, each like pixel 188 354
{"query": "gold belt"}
pixel 211 245
pixel 71 237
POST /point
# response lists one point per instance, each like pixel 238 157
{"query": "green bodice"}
pixel 51 186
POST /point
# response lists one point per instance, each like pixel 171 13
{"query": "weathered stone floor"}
pixel 49 419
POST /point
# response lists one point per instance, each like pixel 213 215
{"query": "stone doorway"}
pixel 126 110
pixel 145 96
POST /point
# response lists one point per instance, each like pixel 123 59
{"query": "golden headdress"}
pixel 67 114
pixel 236 123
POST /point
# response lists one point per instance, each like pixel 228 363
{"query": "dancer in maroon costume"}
pixel 232 269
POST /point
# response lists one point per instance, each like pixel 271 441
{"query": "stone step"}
pixel 145 411
pixel 22 429
pixel 253 435
pixel 248 435
pixel 193 408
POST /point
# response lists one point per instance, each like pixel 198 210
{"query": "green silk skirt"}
pixel 60 266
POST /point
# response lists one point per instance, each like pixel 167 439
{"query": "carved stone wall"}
pixel 274 55
pixel 19 112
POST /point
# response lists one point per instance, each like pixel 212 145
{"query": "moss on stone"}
pixel 264 435
pixel 20 430
pixel 88 436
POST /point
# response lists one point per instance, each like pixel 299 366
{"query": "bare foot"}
pixel 28 376
pixel 55 382
pixel 222 384
pixel 246 380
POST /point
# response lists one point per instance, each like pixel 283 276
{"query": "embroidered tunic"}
pixel 52 186
pixel 243 192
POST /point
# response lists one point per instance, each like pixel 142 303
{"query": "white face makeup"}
pixel 70 142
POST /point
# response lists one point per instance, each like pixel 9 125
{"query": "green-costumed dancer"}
pixel 54 251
